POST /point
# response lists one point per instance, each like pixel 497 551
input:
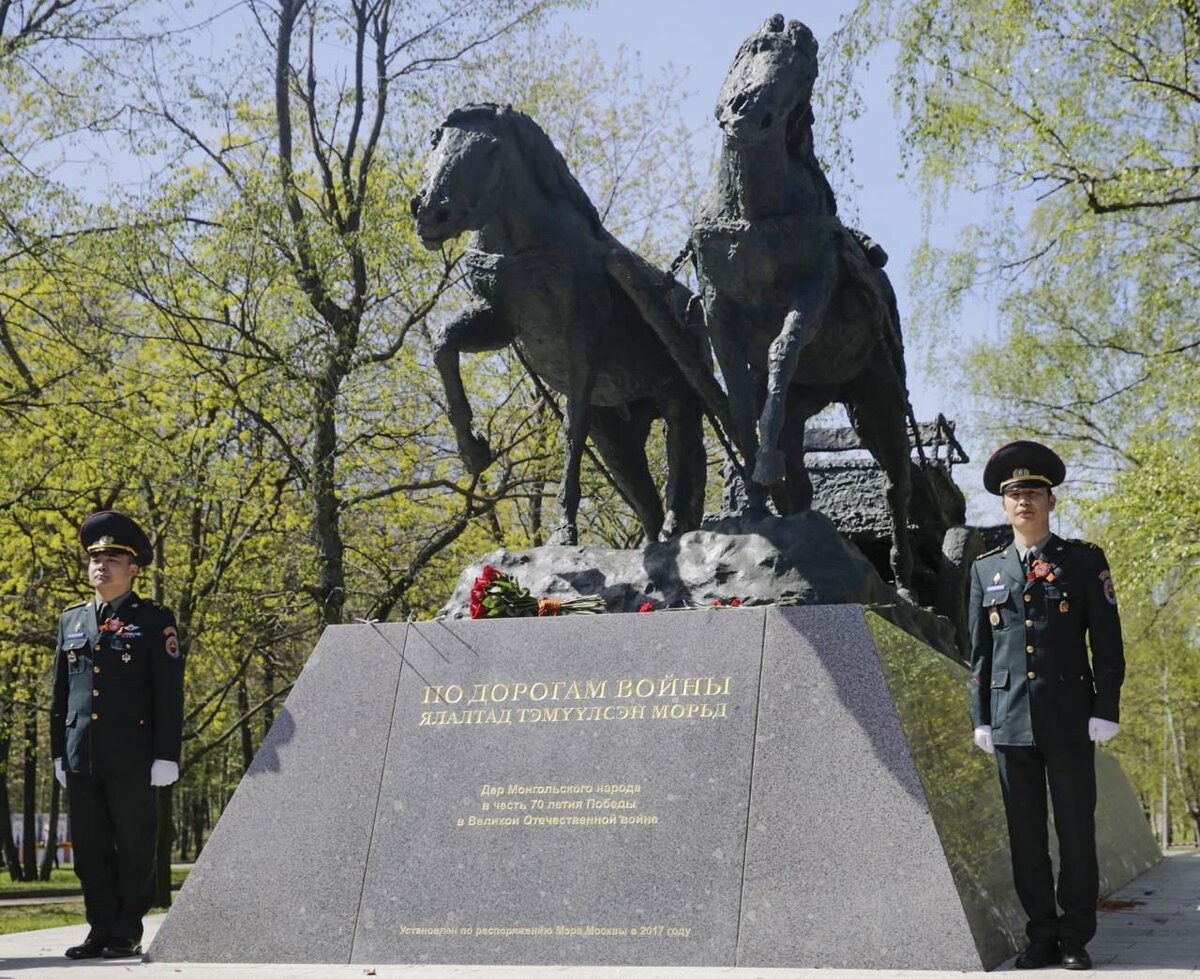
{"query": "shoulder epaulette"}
pixel 1082 543
pixel 994 550
pixel 72 607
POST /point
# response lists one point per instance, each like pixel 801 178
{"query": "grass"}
pixel 56 914
pixel 33 917
pixel 60 879
pixel 63 879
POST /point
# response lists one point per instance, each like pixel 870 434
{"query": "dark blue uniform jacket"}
pixel 117 702
pixel 1031 678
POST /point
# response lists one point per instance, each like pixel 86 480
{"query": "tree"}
pixel 1080 123
pixel 191 338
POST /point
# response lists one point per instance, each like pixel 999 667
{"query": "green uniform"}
pixel 118 696
pixel 116 706
pixel 1033 682
pixel 1031 678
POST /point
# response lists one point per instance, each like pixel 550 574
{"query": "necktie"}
pixel 106 613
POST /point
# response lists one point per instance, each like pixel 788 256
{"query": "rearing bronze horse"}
pixel 550 280
pixel 799 318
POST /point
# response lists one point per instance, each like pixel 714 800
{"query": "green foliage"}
pixel 222 326
pixel 1077 122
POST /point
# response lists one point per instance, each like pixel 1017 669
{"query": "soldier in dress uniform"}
pixel 1037 700
pixel 116 722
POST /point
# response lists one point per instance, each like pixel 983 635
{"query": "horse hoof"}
pixel 566 536
pixel 477 455
pixel 769 468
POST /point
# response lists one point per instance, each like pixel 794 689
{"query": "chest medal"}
pixel 994 618
pixel 1064 606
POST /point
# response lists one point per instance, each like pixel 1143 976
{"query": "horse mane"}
pixel 800 148
pixel 800 121
pixel 546 164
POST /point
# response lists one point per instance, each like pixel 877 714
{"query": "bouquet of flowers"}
pixel 496 595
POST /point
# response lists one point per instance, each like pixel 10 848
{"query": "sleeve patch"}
pixel 1110 591
pixel 170 631
pixel 172 646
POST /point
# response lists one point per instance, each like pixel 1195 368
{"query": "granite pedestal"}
pixel 750 787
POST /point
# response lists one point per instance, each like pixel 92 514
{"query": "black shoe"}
pixel 1075 957
pixel 121 948
pixel 1038 955
pixel 92 948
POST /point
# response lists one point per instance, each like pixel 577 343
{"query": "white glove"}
pixel 983 738
pixel 1100 730
pixel 59 773
pixel 163 772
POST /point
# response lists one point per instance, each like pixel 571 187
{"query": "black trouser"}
pixel 113 828
pixel 1071 772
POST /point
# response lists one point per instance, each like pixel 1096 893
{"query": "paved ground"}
pixel 1151 930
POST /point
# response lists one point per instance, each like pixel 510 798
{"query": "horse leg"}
pixel 878 407
pixel 478 328
pixel 621 443
pixel 728 338
pixel 687 462
pixel 799 327
pixel 578 417
pixel 802 404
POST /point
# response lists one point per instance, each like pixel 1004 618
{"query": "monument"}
pixel 787 783
pixel 758 787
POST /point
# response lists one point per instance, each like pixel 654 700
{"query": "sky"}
pixel 703 36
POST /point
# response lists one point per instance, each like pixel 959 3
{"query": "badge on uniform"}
pixel 1110 590
pixel 1064 606
pixel 72 657
pixel 994 618
pixel 172 643
pixel 125 657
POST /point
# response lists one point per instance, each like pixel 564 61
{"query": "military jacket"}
pixel 1031 677
pixel 117 701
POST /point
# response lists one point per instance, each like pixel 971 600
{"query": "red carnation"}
pixel 646 607
pixel 477 609
pixel 717 603
pixel 489 575
pixel 735 602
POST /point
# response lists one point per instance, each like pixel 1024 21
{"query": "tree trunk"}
pixel 268 712
pixel 182 811
pixel 29 866
pixel 331 585
pixel 12 858
pixel 199 810
pixel 243 702
pixel 48 858
pixel 536 517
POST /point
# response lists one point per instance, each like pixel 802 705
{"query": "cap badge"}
pixel 1020 471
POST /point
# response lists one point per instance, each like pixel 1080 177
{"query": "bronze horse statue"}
pixel 551 281
pixel 799 314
